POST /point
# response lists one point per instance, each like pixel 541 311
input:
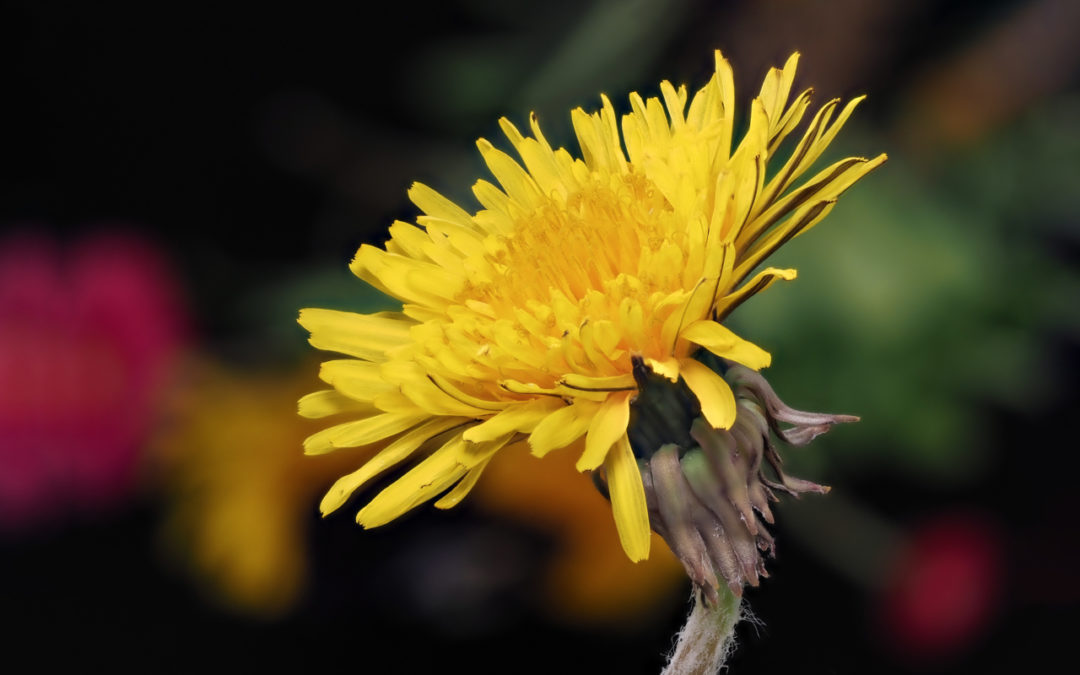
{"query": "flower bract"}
pixel 522 323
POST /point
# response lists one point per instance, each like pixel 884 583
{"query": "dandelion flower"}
pixel 583 306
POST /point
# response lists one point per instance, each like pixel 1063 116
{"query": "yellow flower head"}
pixel 524 321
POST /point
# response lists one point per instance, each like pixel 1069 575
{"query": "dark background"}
pixel 258 147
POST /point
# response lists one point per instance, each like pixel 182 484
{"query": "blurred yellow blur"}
pixel 589 579
pixel 241 493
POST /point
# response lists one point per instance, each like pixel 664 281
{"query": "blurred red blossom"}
pixel 88 333
pixel 945 587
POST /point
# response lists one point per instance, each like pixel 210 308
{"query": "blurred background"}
pixel 177 182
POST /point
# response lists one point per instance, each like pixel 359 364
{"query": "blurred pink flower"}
pixel 945 587
pixel 87 336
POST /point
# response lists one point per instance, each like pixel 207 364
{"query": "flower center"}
pixel 593 275
pixel 582 243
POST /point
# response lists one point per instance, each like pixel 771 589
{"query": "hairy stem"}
pixel 706 640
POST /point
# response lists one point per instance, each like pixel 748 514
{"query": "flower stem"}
pixel 707 639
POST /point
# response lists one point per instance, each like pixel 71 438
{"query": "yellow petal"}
pixel 668 368
pixel 330 402
pixel 725 79
pixel 597 135
pixel 427 246
pixel 522 417
pixel 603 383
pixel 360 380
pixel 424 481
pixel 557 392
pixel 562 427
pixel 747 167
pixel 675 102
pixel 464 486
pixel 455 392
pixel 474 454
pixel 607 426
pixel 826 186
pixel 712 392
pixel 776 90
pixel 406 278
pixel 801 221
pixel 438 206
pixel 361 432
pixel 829 134
pixel 393 401
pixel 715 279
pixel 516 182
pixel 788 121
pixel 538 158
pixel 761 281
pixel 408 240
pixel 497 216
pixel 365 336
pixel 628 500
pixel 386 458
pixel 798 161
pixel 724 343
pixel 429 396
pixel 466 241
pixel 600 340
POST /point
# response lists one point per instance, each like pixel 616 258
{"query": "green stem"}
pixel 708 636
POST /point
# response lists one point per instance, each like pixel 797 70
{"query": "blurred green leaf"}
pixel 925 298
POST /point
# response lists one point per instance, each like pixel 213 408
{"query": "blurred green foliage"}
pixel 931 293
